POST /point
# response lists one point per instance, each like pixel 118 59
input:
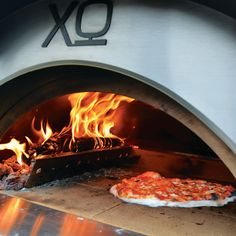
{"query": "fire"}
pixel 17 147
pixel 44 133
pixel 92 115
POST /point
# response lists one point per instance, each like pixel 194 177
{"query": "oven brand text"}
pixel 90 38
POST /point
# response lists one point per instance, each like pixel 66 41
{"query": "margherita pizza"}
pixel 153 190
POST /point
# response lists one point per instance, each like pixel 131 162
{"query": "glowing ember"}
pixel 92 116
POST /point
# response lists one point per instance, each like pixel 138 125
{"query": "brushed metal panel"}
pixel 20 217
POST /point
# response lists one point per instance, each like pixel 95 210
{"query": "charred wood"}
pixel 56 145
pixel 85 144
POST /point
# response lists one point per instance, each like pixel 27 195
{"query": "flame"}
pixel 17 147
pixel 92 114
pixel 43 134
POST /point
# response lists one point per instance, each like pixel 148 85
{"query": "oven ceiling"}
pixel 227 6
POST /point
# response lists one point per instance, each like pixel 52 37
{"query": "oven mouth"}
pixel 68 135
pixel 159 135
pixel 38 86
pixel 151 120
pixel 95 115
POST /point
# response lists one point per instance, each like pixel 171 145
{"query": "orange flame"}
pixel 17 147
pixel 44 133
pixel 92 114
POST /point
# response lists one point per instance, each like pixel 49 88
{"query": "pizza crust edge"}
pixel 155 202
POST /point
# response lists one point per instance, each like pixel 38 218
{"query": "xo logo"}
pixel 90 36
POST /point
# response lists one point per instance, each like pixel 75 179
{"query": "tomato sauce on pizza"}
pixel 150 188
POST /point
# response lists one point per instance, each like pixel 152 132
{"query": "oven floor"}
pixel 89 197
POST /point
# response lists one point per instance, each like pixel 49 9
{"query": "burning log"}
pixel 55 144
pixel 58 144
pixel 62 154
pixel 85 144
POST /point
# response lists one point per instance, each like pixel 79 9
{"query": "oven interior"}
pixel 160 142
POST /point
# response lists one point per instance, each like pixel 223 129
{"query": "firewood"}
pixel 85 144
pixel 55 145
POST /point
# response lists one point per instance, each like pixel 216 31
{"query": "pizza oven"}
pixel 153 85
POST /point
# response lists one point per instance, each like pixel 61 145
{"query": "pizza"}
pixel 151 189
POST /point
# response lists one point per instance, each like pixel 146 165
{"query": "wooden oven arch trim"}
pixel 164 99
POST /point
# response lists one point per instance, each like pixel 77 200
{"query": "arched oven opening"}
pixel 120 111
